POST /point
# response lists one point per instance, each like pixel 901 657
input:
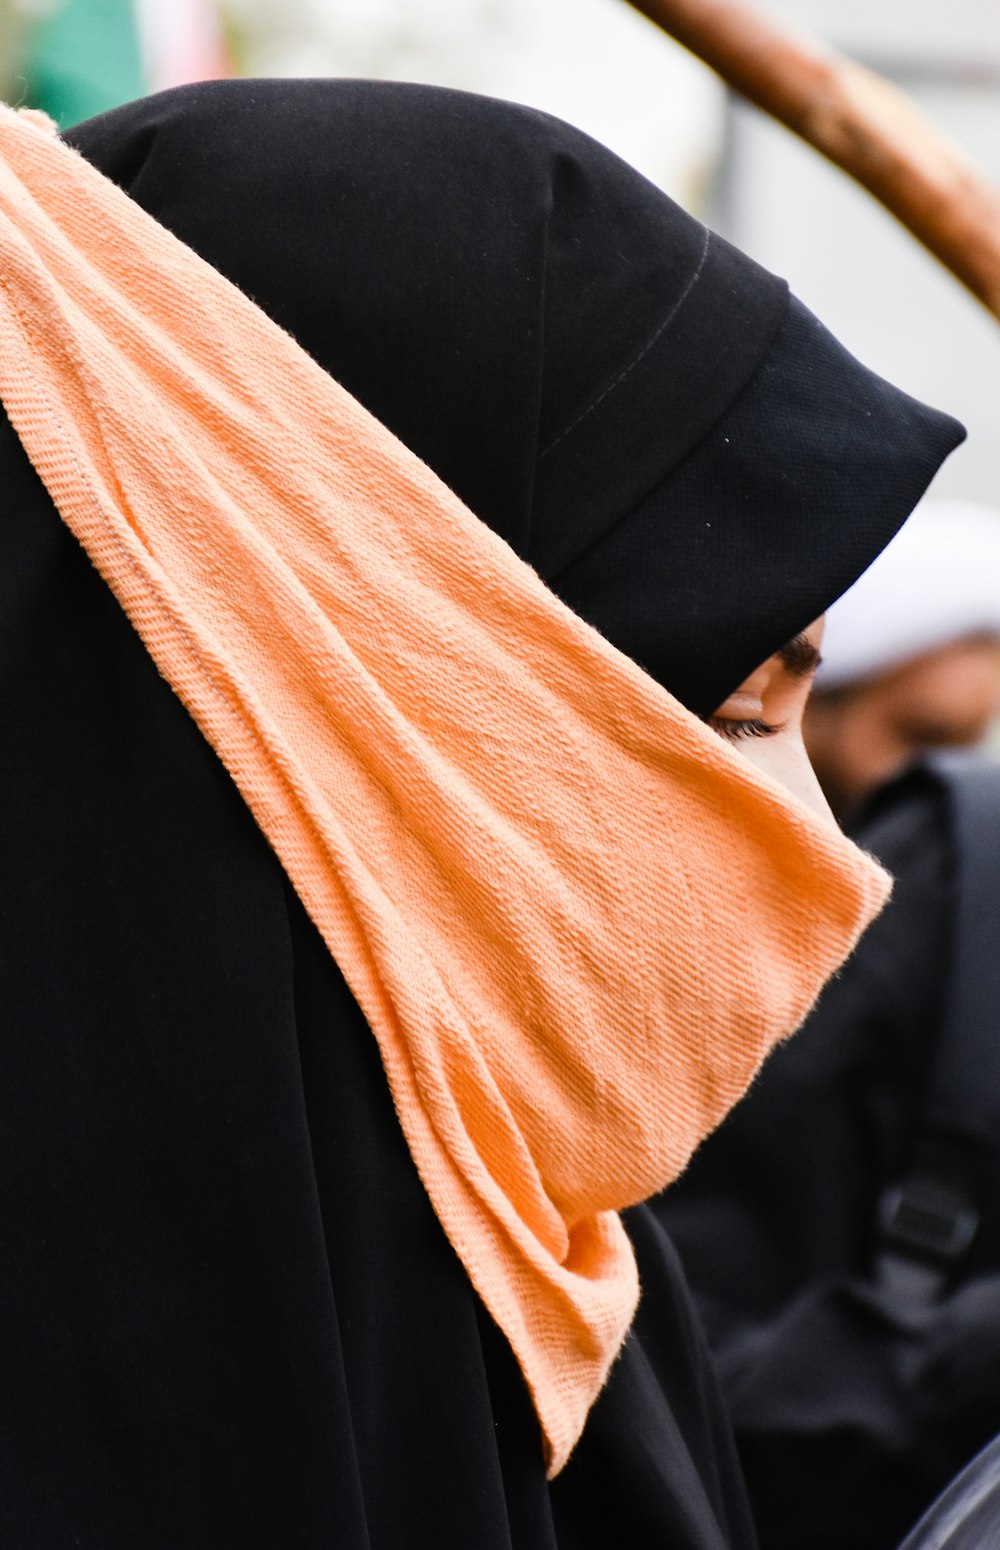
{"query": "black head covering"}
pixel 228 1314
pixel 691 463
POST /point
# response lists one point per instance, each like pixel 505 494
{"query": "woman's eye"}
pixel 735 730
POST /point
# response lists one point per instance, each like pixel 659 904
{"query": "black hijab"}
pixel 229 1315
pixel 692 462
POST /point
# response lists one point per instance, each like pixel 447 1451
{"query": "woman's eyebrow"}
pixel 799 656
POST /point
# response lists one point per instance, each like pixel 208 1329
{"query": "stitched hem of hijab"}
pixel 740 308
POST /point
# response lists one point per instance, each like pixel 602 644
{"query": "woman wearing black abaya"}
pixel 230 1314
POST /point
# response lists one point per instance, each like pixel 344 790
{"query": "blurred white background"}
pixel 597 63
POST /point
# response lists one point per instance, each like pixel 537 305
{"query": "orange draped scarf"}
pixel 575 920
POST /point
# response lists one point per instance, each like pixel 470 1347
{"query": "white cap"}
pixel 938 581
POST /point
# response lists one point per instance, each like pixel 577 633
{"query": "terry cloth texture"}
pixel 514 842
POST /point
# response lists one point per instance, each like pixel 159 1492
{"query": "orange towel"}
pixel 575 920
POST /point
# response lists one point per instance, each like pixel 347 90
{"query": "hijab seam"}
pixel 650 342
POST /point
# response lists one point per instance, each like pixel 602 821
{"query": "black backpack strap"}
pixel 928 1220
pixel 966 1082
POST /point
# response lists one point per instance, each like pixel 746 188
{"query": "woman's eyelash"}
pixel 734 730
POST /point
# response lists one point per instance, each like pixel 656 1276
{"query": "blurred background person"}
pixel 857 1394
pixel 911 654
pixel 856 1400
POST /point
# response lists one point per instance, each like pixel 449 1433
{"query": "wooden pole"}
pixel 859 121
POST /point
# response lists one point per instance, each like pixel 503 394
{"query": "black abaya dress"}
pixel 230 1316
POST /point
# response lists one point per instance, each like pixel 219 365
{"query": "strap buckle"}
pixel 924 1218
